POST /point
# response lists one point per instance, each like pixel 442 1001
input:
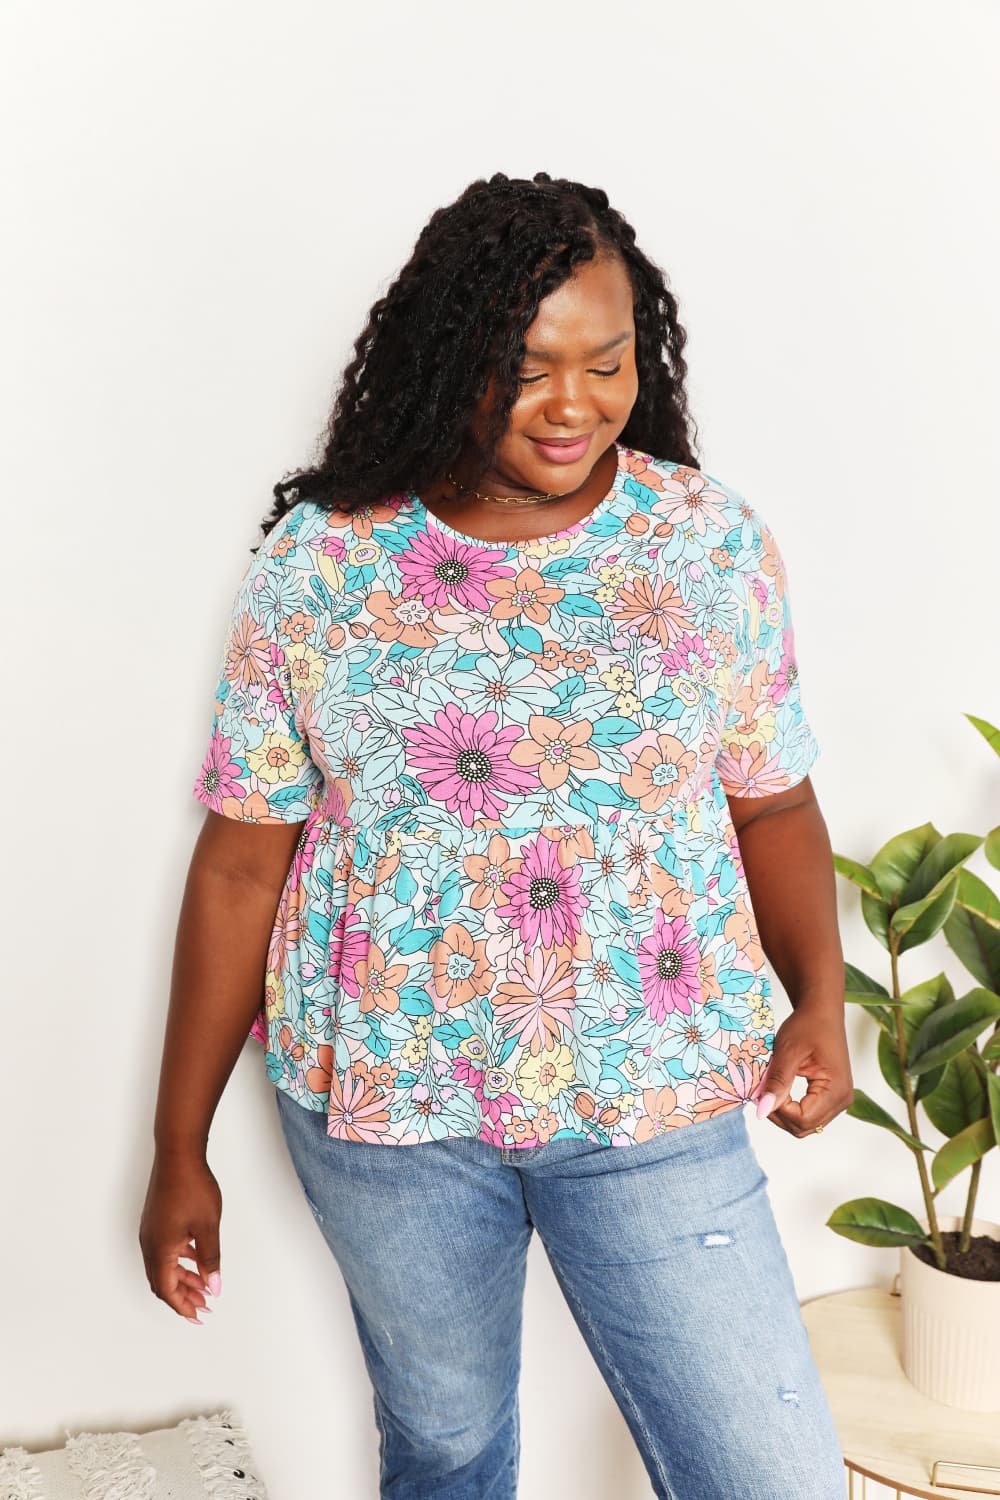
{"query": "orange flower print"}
pixel 659 772
pixel 553 746
pixel 357 1112
pixel 378 984
pixel 298 625
pixel 537 1001
pixel 489 871
pixel 461 970
pixel 362 520
pixel 248 655
pixel 655 606
pixel 528 594
pixel 405 620
pixel 748 771
pixel 636 464
pixel 660 1114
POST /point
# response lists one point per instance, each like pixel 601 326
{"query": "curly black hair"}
pixel 458 312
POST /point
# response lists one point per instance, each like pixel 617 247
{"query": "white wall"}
pixel 202 201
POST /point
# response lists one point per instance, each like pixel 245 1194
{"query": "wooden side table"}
pixel 889 1431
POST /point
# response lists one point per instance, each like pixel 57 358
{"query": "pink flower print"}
pixel 357 1111
pixel 537 1001
pixel 493 1105
pixel 463 760
pixel 668 967
pixel 690 500
pixel 544 900
pixel 719 1091
pixel 219 776
pixel 446 572
pixel 785 677
pixel 349 942
pixel 748 770
pixel 689 655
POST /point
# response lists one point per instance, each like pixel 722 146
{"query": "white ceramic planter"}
pixel 951 1329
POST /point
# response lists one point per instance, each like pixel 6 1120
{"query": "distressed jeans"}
pixel 669 1257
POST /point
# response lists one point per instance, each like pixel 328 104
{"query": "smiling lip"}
pixel 563 450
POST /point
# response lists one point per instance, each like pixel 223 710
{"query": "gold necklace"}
pixel 507 499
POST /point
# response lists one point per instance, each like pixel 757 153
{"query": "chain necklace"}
pixel 511 499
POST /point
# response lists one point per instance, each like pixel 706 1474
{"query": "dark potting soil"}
pixel 981 1262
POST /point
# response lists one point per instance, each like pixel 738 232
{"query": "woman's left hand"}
pixel 811 1042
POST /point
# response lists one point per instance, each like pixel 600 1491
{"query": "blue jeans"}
pixel 669 1257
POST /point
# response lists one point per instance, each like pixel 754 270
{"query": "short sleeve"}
pixel 257 766
pixel 767 744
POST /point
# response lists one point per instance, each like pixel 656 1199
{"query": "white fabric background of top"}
pixel 203 202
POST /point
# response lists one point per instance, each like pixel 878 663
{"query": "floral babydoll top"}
pixel 516 909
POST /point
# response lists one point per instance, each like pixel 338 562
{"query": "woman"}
pixel 508 729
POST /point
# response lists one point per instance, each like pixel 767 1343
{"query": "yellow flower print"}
pixel 423 1026
pixel 277 758
pixel 542 548
pixel 630 1067
pixel 274 995
pixel 541 1078
pixel 414 1051
pixel 761 1012
pixel 628 703
pixel 774 614
pixel 364 554
pixel 618 678
pixel 612 573
pixel 306 666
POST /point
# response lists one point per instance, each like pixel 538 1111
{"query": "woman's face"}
pixel 578 384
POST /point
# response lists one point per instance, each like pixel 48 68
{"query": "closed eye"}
pixel 604 374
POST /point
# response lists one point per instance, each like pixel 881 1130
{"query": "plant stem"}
pixel 970 1205
pixel 911 1108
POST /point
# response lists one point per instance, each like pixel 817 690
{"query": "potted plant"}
pixel 929 1055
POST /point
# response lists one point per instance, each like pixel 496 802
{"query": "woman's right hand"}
pixel 180 1218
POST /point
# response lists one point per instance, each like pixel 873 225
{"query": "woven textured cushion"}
pixel 202 1458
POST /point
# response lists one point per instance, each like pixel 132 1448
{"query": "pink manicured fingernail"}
pixel 196 1321
pixel 215 1283
pixel 765 1104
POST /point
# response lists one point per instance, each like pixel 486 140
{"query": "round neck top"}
pixel 418 508
pixel 516 910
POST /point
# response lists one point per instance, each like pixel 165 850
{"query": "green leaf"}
pixel 950 1028
pixel 974 940
pixel 989 731
pixel 915 923
pixel 992 847
pixel 946 856
pixel 918 1004
pixel 876 915
pixel 859 875
pixel 861 990
pixel 857 982
pixel 960 1098
pixel 961 1151
pixel 993 1087
pixel 937 990
pixel 896 863
pixel 872 1221
pixel 976 897
pixel 865 1108
pixel 991 1052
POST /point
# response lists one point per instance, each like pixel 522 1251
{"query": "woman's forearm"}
pixel 217 987
pixel 789 868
